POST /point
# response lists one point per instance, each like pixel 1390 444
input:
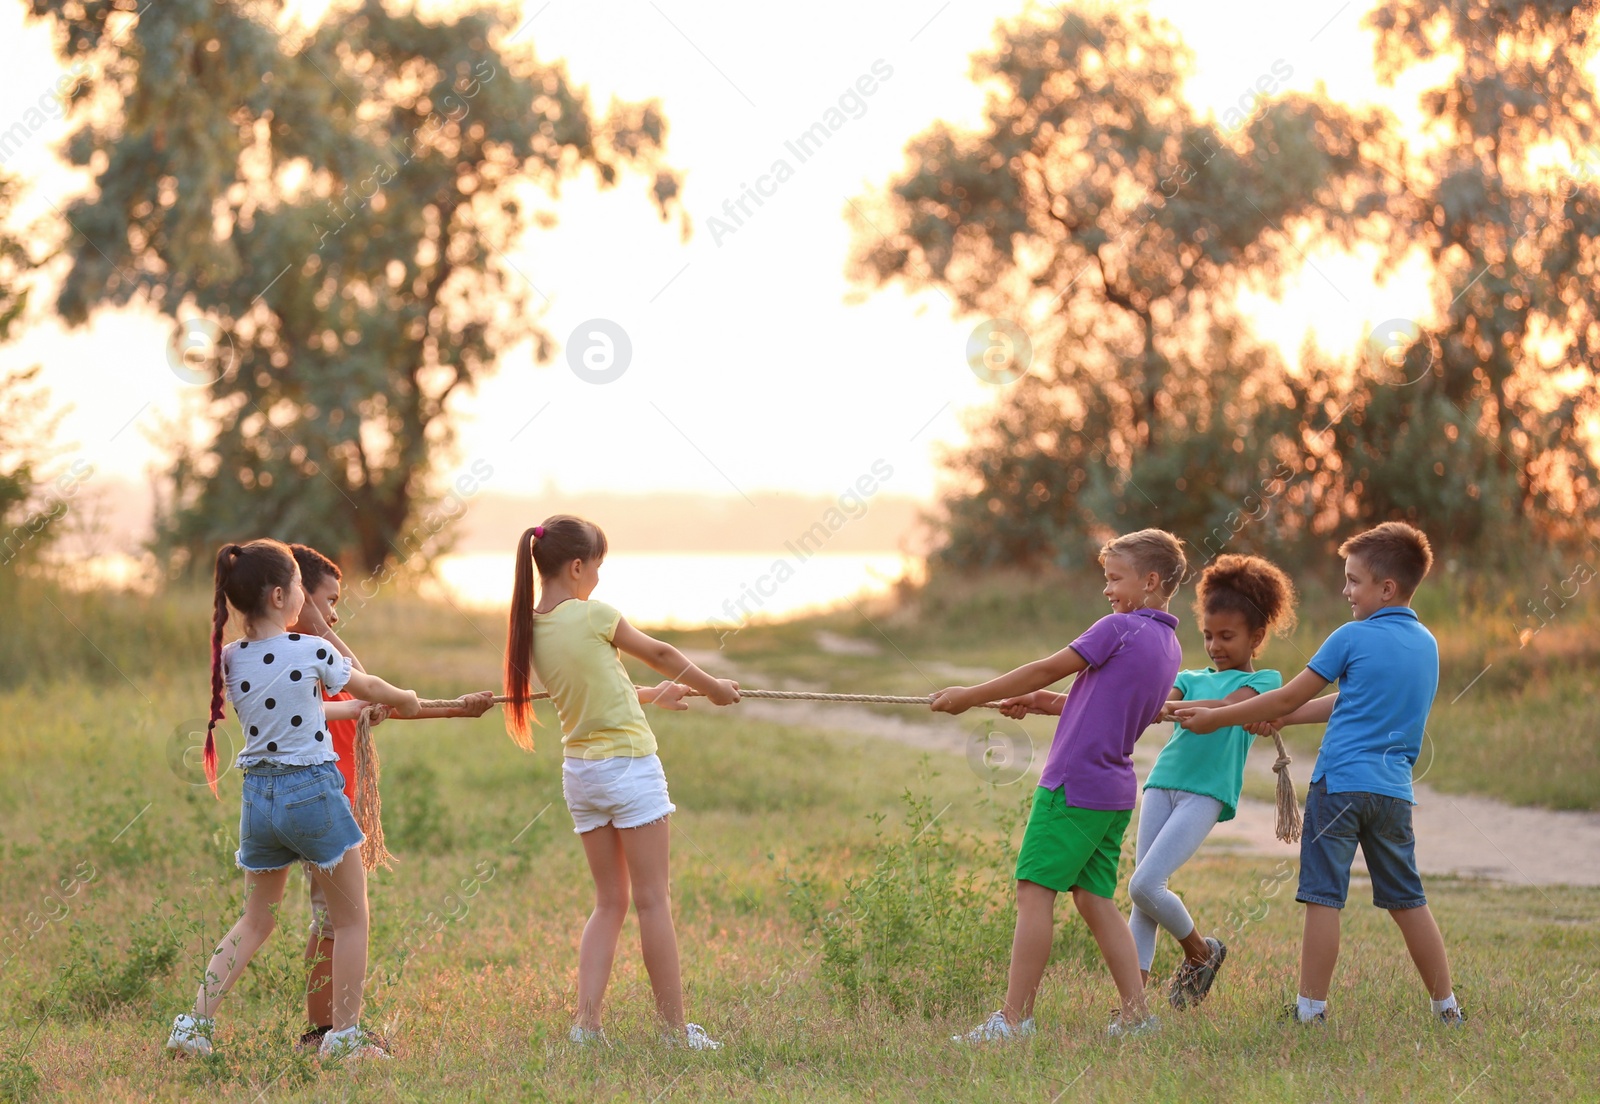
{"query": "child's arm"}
pixel 1013 684
pixel 373 689
pixel 667 660
pixel 1040 701
pixel 665 694
pixel 1169 712
pixel 348 710
pixel 1262 707
pixel 1315 711
pixel 472 705
pixel 312 621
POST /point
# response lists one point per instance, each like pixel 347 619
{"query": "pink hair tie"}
pixel 538 532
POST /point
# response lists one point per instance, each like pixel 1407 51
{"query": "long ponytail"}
pixel 244 574
pixel 219 621
pixel 519 646
pixel 547 548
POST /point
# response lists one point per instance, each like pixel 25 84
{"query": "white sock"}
pixel 1446 1004
pixel 1307 1008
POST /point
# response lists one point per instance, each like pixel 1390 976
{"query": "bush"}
pixel 97 977
pixel 926 927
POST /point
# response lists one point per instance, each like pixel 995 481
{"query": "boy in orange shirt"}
pixel 321 578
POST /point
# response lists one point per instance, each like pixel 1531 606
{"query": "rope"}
pixel 368 805
pixel 780 695
pixel 1288 802
pixel 1288 827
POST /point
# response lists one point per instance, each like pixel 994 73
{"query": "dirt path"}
pixel 1457 835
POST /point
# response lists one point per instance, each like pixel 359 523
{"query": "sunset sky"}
pixel 754 366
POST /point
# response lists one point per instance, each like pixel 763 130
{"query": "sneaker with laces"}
pixel 190 1036
pixel 1120 1027
pixel 1453 1017
pixel 695 1038
pixel 1192 981
pixel 311 1040
pixel 351 1043
pixel 996 1029
pixel 583 1036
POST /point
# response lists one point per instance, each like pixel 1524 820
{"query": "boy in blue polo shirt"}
pixel 1387 667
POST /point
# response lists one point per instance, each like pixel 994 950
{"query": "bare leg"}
pixel 345 889
pixel 319 980
pixel 1427 948
pixel 1194 946
pixel 1319 951
pixel 1030 948
pixel 648 849
pixel 1110 930
pixel 598 949
pixel 262 892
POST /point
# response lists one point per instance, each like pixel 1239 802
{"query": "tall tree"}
pixel 1502 193
pixel 1097 212
pixel 27 424
pixel 335 212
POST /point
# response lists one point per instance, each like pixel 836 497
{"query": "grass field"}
pixel 123 865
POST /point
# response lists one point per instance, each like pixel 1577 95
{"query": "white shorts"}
pixel 625 792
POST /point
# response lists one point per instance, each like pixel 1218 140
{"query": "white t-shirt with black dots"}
pixel 276 688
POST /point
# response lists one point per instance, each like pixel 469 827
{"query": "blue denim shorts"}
pixel 1334 824
pixel 294 814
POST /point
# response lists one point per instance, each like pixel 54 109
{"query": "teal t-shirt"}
pixel 1212 764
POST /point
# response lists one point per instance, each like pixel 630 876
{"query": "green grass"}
pixel 135 862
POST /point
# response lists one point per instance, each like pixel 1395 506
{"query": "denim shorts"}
pixel 624 791
pixel 294 814
pixel 1334 824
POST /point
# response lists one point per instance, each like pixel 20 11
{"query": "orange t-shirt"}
pixel 343 734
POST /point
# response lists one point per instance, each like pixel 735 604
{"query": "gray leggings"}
pixel 1172 826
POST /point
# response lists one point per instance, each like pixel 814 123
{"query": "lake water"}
pixel 689 589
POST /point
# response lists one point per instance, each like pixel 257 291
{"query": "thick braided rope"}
pixel 781 695
pixel 368 806
pixel 1288 827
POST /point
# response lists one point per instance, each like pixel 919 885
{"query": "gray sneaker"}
pixel 1453 1017
pixel 1193 980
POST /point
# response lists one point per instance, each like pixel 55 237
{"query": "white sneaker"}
pixel 351 1043
pixel 996 1030
pixel 191 1037
pixel 1120 1027
pixel 582 1036
pixel 696 1038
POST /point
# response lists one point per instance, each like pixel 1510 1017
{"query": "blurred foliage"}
pixel 1095 210
pixel 324 213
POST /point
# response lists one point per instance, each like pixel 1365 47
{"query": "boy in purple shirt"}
pixel 1085 798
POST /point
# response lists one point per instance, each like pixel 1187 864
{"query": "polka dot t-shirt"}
pixel 276 687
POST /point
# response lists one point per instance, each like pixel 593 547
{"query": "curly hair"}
pixel 1255 588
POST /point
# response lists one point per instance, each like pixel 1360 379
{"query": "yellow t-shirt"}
pixel 601 717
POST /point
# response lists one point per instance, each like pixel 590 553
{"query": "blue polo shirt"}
pixel 1387 668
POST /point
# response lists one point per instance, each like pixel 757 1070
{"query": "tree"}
pixel 27 424
pixel 1095 211
pixel 1505 374
pixel 326 222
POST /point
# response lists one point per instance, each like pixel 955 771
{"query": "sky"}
pixel 755 364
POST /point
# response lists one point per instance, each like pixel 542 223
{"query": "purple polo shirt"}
pixel 1133 659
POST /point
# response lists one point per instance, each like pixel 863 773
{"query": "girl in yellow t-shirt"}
pixel 610 777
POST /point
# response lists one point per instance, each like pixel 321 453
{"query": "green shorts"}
pixel 1065 846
